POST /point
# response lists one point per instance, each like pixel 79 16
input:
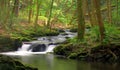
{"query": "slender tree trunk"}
pixel 4 13
pixel 7 13
pixel 117 12
pixel 93 12
pixel 16 8
pixel 109 11
pixel 81 22
pixel 89 14
pixel 99 17
pixel 84 8
pixel 30 11
pixel 117 7
pixel 50 14
pixel 37 13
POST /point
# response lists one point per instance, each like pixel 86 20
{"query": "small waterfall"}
pixel 42 45
pixel 50 48
pixel 24 47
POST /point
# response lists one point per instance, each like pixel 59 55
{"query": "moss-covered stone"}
pixel 7 63
pixel 9 44
pixel 63 50
pixel 73 30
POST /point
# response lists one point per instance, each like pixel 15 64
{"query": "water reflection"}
pixel 105 66
pixel 97 66
pixel 83 66
pixel 50 62
pixel 44 62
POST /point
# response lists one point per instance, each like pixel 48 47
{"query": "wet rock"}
pixel 64 34
pixel 67 37
pixel 39 48
pixel 52 43
pixel 52 34
pixel 61 30
pixel 73 30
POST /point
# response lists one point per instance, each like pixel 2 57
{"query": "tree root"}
pixel 119 49
pixel 113 54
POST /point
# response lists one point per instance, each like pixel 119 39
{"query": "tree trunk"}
pixel 30 11
pixel 93 12
pixel 84 8
pixel 109 11
pixel 99 18
pixel 37 14
pixel 16 8
pixel 89 13
pixel 117 12
pixel 50 14
pixel 81 22
pixel 4 14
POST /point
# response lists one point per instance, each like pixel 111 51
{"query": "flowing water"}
pixel 42 45
pixel 34 53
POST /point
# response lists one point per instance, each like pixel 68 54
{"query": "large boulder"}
pixel 37 47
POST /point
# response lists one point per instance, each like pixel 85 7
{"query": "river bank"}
pixel 94 52
pixel 91 48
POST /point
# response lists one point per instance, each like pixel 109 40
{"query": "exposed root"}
pixel 119 49
pixel 113 54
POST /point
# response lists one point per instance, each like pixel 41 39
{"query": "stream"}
pixel 37 54
pixel 42 45
pixel 51 62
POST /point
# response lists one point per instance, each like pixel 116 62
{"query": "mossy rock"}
pixel 7 63
pixel 64 49
pixel 52 33
pixel 9 44
pixel 58 50
pixel 73 30
pixel 61 30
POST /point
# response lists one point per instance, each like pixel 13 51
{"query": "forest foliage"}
pixel 25 19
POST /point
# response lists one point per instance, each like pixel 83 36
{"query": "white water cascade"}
pixel 42 45
pixel 24 47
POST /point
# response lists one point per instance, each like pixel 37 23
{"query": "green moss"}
pixel 63 49
pixel 7 63
pixel 73 55
pixel 8 44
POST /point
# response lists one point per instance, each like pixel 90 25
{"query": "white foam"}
pixel 24 47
